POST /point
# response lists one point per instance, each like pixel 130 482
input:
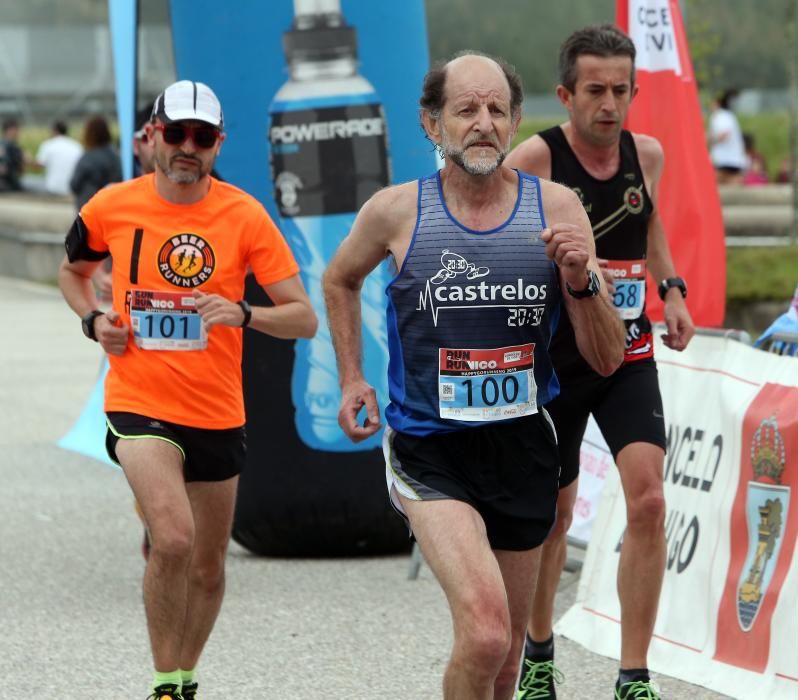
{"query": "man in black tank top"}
pixel 486 261
pixel 615 173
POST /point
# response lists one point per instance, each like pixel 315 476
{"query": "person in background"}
pixel 143 149
pixel 12 159
pixel 616 174
pixel 756 171
pixel 98 166
pixel 144 163
pixel 58 155
pixel 726 147
pixel 784 175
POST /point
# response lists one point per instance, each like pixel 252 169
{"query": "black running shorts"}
pixel 508 471
pixel 627 407
pixel 208 455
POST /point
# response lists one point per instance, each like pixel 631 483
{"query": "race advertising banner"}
pixel 667 107
pixel 321 111
pixel 595 460
pixel 320 101
pixel 730 473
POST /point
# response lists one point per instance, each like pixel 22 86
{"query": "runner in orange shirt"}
pixel 181 242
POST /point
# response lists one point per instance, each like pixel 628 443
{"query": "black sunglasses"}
pixel 176 134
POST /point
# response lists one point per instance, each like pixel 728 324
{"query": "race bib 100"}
pixel 487 385
pixel 165 321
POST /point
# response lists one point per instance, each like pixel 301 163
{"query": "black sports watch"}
pixel 592 289
pixel 666 284
pixel 247 309
pixel 87 323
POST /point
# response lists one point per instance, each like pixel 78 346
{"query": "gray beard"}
pixel 182 177
pixel 480 169
pixel 457 156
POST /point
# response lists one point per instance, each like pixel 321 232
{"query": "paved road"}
pixel 71 619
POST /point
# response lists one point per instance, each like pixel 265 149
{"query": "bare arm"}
pixel 292 315
pixel 74 279
pixel 569 241
pixel 680 328
pixel 373 235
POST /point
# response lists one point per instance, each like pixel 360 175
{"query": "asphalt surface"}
pixel 71 617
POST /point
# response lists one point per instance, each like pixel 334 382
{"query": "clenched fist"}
pixel 568 245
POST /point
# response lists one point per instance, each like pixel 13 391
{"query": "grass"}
pixel 761 274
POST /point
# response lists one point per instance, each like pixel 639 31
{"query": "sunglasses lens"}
pixel 205 137
pixel 174 134
pixel 202 136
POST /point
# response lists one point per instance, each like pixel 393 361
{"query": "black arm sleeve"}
pixel 77 243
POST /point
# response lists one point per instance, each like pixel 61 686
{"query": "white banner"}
pixel 651 28
pixel 595 460
pixel 730 595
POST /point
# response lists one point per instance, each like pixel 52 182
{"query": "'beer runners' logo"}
pixel 186 260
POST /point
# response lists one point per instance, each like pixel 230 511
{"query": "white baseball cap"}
pixel 187 99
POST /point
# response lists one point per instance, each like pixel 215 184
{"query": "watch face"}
pixel 671 282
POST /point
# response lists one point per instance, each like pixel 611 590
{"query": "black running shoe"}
pixel 637 690
pixel 189 691
pixel 537 680
pixel 165 691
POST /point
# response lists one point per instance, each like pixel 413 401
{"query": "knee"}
pixel 172 543
pixel 646 511
pixel 484 635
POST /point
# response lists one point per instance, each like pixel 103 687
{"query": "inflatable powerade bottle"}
pixel 327 139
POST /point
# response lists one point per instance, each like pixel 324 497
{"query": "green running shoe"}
pixel 637 690
pixel 538 679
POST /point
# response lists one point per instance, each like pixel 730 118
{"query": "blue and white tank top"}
pixel 470 315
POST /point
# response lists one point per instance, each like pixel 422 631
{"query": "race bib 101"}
pixel 165 321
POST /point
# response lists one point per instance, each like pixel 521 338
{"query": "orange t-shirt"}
pixel 172 369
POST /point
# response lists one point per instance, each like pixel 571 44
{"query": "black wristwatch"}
pixel 592 289
pixel 87 323
pixel 247 309
pixel 666 284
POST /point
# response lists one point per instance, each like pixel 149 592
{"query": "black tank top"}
pixel 619 209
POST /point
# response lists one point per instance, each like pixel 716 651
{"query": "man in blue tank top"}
pixel 487 260
pixel 615 173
